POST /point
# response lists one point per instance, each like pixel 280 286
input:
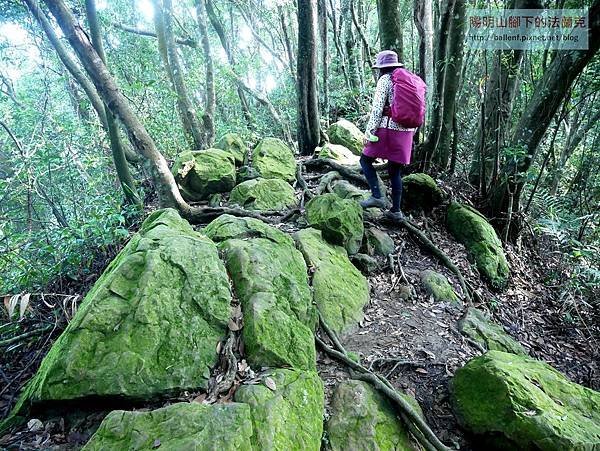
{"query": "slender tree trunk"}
pixel 390 26
pixel 309 130
pixel 533 123
pixel 116 146
pixel 193 130
pixel 220 30
pixel 448 67
pixel 67 60
pixel 111 95
pixel 350 45
pixel 209 96
pixel 322 7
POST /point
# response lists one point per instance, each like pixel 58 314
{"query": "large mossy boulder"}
pixel 420 191
pixel 340 220
pixel 339 289
pixel 270 279
pixel 338 153
pixel 289 414
pixel 346 134
pixel 473 230
pixel 234 144
pixel 204 172
pixel 525 404
pixel 476 325
pixel 148 327
pixel 362 419
pixel 437 285
pixel 273 159
pixel 181 426
pixel 264 194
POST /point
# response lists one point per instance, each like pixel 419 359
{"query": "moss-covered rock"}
pixel 274 160
pixel 289 417
pixel 339 289
pixel 527 402
pixel 270 279
pixel 346 134
pixel 204 172
pixel 340 220
pixel 437 285
pixel 226 227
pixel 234 144
pixel 337 152
pixel 420 191
pixel 181 426
pixel 347 190
pixel 148 327
pixel 472 229
pixel 477 326
pixel 362 419
pixel 264 194
pixel 377 242
pixel 365 263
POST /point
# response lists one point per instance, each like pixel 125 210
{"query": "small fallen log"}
pixel 345 171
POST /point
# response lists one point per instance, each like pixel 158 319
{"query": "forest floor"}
pixel 411 339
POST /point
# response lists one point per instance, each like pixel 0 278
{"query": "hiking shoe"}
pixel 396 216
pixel 374 202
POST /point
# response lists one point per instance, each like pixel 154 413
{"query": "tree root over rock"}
pixel 441 255
pixel 421 431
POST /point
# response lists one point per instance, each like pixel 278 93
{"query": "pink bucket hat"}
pixel 387 58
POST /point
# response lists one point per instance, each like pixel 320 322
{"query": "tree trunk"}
pixel 116 146
pixel 67 60
pixel 449 58
pixel 500 92
pixel 322 10
pixel 533 123
pixel 218 26
pixel 209 96
pixel 309 130
pixel 111 95
pixel 193 130
pixel 390 26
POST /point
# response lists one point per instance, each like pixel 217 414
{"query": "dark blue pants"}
pixel 395 174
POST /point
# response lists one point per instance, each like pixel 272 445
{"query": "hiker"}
pixel 398 101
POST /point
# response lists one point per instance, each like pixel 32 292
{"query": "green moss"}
pixel 264 194
pixel 181 426
pixel 528 402
pixel 274 160
pixel 377 242
pixel 347 190
pixel 340 220
pixel 337 152
pixel 148 327
pixel 362 419
pixel 420 191
pixel 226 227
pixel 204 172
pixel 234 144
pixel 438 286
pixel 480 239
pixel 346 134
pixel 339 289
pixel 289 417
pixel 476 325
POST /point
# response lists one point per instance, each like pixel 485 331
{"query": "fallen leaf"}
pixel 34 425
pixel 200 398
pixel 156 444
pixel 421 370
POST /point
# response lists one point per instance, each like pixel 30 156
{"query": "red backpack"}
pixel 408 103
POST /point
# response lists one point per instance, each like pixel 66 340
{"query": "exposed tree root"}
pixel 307 193
pixel 222 382
pixel 441 255
pixel 344 171
pixel 204 214
pixel 25 335
pixel 422 432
